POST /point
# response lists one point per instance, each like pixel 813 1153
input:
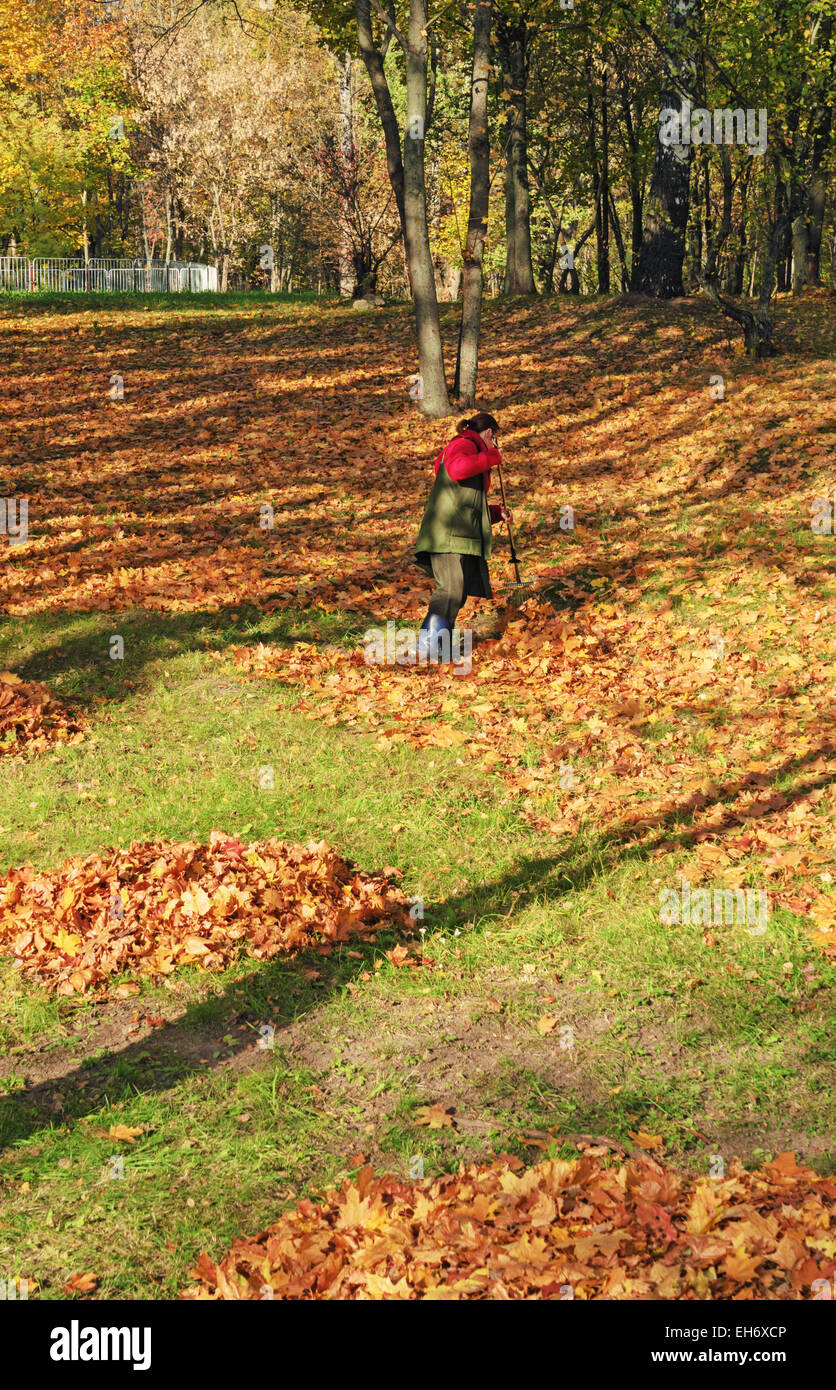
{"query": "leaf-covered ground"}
pixel 601 708
pixel 662 710
pixel 557 1231
pixel 156 499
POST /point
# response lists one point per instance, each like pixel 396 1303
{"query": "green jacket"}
pixel 456 520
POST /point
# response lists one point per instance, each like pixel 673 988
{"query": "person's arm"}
pixel 464 460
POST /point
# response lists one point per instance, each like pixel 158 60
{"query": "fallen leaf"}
pixel 433 1115
pixel 645 1140
pixel 80 1283
pixel 125 1132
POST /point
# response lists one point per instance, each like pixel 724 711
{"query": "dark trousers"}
pixel 456 578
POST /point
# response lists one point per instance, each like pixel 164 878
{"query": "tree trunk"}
pixel 373 60
pixel 84 233
pixel 784 257
pixel 168 228
pixel 548 275
pixel 659 271
pixel 348 156
pixel 406 175
pixel 736 276
pixel 435 400
pixel 757 327
pixel 512 45
pixel 477 222
pixel 97 225
pixel 619 241
pixel 602 216
pixel 799 253
pixel 633 174
pixel 816 200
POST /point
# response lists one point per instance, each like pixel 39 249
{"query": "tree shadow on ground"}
pixel 150 637
pixel 281 991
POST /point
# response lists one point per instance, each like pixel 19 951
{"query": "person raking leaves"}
pixel 454 543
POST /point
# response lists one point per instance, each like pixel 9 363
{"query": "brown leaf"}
pixel 80 1283
pixel 433 1115
pixel 645 1140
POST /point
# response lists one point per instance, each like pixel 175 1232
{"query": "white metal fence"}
pixel 103 274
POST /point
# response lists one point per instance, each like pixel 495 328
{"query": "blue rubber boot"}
pixel 432 648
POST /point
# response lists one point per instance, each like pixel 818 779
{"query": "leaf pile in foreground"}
pixel 160 905
pixel 557 1230
pixel 32 719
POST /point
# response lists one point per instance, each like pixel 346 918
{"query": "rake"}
pixel 519 592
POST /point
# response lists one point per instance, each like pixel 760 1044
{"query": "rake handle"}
pixel 508 524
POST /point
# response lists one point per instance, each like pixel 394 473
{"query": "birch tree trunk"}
pixel 348 156
pixel 477 222
pixel 407 177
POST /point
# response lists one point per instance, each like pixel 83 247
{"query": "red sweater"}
pixel 466 455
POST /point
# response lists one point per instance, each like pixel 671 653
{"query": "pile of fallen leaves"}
pixel 558 1230
pixel 32 719
pixel 160 905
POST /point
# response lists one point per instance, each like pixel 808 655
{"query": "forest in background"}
pixel 214 131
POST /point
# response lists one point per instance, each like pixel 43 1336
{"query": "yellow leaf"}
pixel 195 946
pixel 124 1132
pixel 67 941
pixel 196 902
pixel 645 1140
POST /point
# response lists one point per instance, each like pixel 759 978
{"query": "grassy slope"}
pixel 720 1053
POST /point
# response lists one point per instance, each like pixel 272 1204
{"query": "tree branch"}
pixel 389 21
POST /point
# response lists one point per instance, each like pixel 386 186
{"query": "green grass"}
pixel 719 1049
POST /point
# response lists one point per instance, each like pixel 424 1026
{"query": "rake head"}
pixel 516 594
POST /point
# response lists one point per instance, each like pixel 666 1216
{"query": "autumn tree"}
pixel 231 118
